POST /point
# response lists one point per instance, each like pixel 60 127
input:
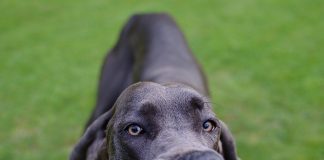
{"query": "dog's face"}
pixel 153 121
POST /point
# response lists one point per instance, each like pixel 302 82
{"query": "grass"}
pixel 264 61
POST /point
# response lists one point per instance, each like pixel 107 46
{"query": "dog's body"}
pixel 169 107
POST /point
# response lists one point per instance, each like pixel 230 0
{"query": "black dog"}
pixel 166 117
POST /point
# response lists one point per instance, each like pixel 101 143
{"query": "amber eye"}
pixel 134 130
pixel 208 126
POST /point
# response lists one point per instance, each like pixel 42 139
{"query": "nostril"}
pixel 201 155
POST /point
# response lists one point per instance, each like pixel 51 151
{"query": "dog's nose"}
pixel 200 155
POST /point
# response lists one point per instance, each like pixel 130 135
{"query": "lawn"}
pixel 264 61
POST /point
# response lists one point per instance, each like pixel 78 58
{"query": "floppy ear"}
pixel 227 144
pixel 92 144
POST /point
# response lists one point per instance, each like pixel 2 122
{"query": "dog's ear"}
pixel 226 145
pixel 92 144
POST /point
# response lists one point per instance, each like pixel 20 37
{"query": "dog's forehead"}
pixel 157 95
pixel 147 99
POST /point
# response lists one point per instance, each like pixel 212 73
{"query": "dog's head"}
pixel 162 122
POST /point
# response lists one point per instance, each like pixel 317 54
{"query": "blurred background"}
pixel 264 61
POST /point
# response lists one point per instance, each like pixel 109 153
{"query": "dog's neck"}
pixel 161 53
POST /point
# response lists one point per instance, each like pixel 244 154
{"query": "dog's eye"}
pixel 134 130
pixel 208 126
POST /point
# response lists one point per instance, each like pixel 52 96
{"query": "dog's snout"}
pixel 201 155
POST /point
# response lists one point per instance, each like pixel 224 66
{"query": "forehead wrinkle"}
pixel 181 104
pixel 144 106
pixel 139 111
pixel 148 108
pixel 197 103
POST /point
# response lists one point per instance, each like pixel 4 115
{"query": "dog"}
pixel 153 101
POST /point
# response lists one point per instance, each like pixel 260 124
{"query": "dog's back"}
pixel 152 48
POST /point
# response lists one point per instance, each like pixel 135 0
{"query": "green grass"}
pixel 264 61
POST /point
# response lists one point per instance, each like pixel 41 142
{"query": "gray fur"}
pixel 151 78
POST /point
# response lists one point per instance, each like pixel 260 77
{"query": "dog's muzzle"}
pixel 201 155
